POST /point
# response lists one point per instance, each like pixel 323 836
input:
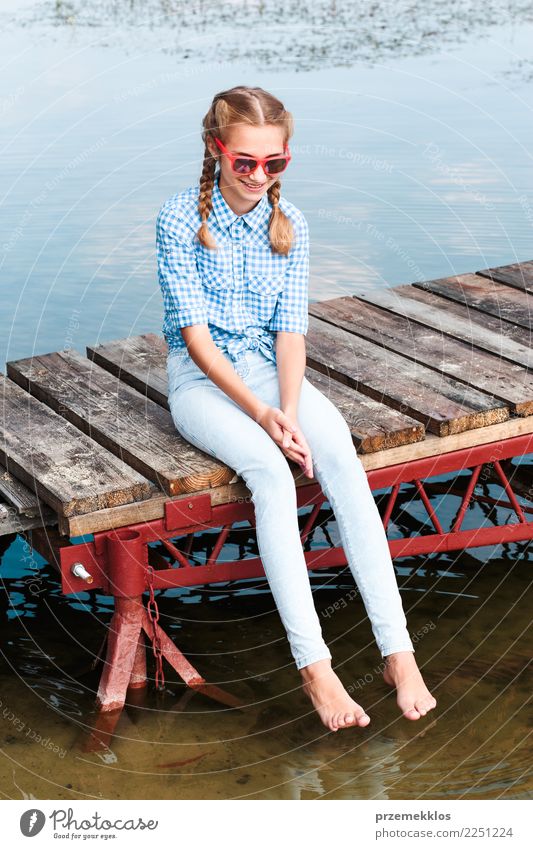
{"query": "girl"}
pixel 233 262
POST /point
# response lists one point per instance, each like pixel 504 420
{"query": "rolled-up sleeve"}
pixel 292 308
pixel 181 286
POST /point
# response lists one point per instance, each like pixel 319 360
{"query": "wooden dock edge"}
pixel 432 446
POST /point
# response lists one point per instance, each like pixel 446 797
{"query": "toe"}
pixel 425 704
pixel 349 719
pixel 411 713
pixel 363 719
pixel 334 722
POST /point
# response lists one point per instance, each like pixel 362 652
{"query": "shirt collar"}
pixel 226 216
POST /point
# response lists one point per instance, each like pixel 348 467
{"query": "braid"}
pixel 274 194
pixel 280 229
pixel 205 201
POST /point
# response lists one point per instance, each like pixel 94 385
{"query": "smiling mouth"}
pixel 253 185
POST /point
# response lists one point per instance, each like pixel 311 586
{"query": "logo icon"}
pixel 32 822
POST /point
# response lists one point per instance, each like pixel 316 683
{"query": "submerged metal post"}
pixel 125 556
pixel 125 662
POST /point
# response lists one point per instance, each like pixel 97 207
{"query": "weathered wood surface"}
pixel 481 331
pixel 121 419
pixel 511 384
pixel 58 463
pixel 519 274
pixel 443 405
pixel 483 294
pixel 139 361
pixel 374 426
pixel 22 499
pixel 12 522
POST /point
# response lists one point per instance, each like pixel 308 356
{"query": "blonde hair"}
pixel 256 107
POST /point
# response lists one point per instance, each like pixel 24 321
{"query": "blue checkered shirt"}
pixel 243 291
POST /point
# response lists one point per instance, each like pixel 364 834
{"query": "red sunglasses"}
pixel 245 165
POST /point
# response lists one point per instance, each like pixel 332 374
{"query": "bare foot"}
pixel 413 697
pixel 335 707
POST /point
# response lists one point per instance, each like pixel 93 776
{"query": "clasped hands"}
pixel 287 434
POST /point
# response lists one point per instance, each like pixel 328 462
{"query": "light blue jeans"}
pixel 208 418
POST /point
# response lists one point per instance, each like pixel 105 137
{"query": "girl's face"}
pixel 244 192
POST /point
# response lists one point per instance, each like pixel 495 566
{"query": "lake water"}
pixel 411 160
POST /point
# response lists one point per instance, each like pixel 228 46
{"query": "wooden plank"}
pixel 374 426
pixel 139 361
pixel 13 522
pixel 432 446
pixel 131 426
pixel 19 496
pixel 482 332
pixel 519 275
pixel 62 466
pixel 443 405
pixel 485 295
pixel 512 384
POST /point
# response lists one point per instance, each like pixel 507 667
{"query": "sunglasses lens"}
pixel 276 166
pixel 244 166
pixel 272 166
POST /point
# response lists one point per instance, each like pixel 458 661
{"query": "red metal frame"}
pixel 121 564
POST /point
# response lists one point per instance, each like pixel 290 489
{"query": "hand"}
pixel 287 434
pixel 294 440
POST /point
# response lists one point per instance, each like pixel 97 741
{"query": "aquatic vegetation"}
pixel 287 34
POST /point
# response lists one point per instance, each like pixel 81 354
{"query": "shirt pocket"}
pixel 217 292
pixel 262 295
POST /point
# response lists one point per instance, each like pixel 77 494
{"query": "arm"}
pixel 291 358
pixel 208 356
pixel 277 423
pixel 291 321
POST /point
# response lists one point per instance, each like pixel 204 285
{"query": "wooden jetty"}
pixel 433 378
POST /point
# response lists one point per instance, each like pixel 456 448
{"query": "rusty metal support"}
pixel 127 569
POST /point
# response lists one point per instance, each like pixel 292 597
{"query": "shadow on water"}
pixel 469 618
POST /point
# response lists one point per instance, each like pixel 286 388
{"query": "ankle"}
pixel 316 670
pixel 399 656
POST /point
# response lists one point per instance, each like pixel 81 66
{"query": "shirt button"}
pixel 237 228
